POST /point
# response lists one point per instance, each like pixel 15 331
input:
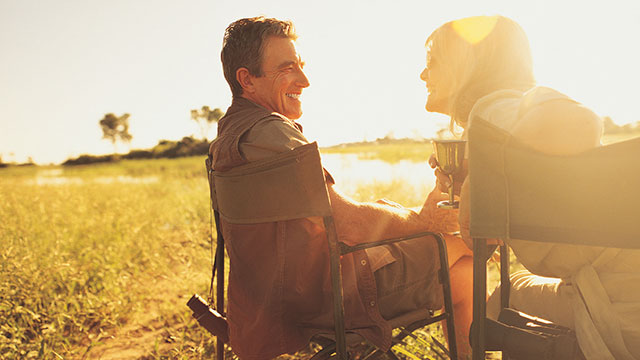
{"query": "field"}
pixel 99 261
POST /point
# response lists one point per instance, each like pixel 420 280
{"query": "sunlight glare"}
pixel 475 29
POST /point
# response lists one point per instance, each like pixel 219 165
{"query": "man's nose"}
pixel 303 81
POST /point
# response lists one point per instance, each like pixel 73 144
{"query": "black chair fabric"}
pixel 592 198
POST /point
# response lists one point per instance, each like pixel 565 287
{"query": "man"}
pixel 279 287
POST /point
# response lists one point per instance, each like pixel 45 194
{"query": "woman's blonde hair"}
pixel 481 54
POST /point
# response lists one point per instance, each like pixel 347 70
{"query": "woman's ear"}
pixel 245 79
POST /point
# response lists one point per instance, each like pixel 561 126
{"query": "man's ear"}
pixel 245 79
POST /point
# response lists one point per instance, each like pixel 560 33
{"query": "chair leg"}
pixel 479 298
pixel 220 280
pixel 445 280
pixel 219 349
pixel 505 282
pixel 336 284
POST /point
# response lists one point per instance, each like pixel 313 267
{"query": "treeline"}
pixel 188 146
pixel 28 163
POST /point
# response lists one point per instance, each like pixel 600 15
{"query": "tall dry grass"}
pixel 99 261
pixel 86 250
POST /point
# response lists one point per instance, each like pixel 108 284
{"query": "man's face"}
pixel 280 87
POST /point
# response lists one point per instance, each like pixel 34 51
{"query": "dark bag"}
pixel 524 337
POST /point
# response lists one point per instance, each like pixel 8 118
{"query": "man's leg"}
pixel 461 275
pixel 411 282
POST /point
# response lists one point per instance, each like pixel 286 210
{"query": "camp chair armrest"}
pixel 345 249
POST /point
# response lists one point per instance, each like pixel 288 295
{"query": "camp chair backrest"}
pixel 286 186
pixel 289 185
pixel 592 198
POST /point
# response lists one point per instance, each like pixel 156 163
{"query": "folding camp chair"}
pixel 245 195
pixel 520 193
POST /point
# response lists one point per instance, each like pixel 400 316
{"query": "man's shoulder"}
pixel 271 135
pixel 275 123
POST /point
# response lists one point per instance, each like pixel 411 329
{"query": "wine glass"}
pixel 450 155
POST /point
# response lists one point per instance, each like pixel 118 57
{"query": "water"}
pixel 56 177
pixel 350 172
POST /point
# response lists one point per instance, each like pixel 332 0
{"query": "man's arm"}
pixel 358 222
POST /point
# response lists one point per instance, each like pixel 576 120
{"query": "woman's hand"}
pixel 443 182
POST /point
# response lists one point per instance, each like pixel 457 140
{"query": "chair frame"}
pixel 336 249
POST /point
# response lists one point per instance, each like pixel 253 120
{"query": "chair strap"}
pixel 218 256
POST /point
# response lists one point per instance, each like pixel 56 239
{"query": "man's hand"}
pixel 389 203
pixel 443 182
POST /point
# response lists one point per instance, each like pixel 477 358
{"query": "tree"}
pixel 205 117
pixel 116 128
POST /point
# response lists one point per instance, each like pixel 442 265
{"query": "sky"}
pixel 64 64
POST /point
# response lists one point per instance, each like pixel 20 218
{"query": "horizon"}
pixel 69 63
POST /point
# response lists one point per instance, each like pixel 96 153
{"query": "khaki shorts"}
pixel 411 282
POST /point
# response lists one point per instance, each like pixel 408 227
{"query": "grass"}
pixel 99 261
pixel 80 260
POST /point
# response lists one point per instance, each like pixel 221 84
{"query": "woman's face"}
pixel 438 84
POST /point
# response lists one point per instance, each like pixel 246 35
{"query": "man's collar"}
pixel 243 101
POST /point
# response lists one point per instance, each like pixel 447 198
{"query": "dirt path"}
pixel 162 328
pixel 150 334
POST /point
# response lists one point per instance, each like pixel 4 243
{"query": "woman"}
pixel 482 67
pixel 457 76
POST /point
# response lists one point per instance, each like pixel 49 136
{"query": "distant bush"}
pixel 28 163
pixel 187 146
pixel 138 154
pixel 90 159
